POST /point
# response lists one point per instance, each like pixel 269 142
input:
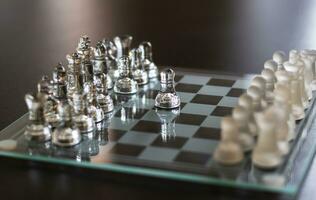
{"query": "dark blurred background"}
pixel 223 35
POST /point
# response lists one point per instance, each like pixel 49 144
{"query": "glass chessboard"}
pixel 176 145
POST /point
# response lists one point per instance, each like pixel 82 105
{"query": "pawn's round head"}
pixel 260 82
pixel 240 113
pixel 255 93
pixel 271 64
pixel 268 75
pixel 245 101
pixel 279 57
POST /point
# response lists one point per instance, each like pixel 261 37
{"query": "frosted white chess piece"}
pixel 282 101
pixel 271 64
pixel 241 116
pixel 308 73
pixel 229 151
pixel 312 54
pixel 266 153
pixel 257 97
pixel 279 57
pixel 270 78
pixel 246 101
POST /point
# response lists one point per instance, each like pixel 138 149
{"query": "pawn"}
pixel 241 115
pixel 266 154
pixel 83 120
pixel 257 95
pixel 270 79
pixel 125 84
pixel 139 74
pixel 229 151
pixel 167 97
pixel 282 101
pixel 123 45
pixel 279 57
pixel 93 106
pixel 37 129
pixel 260 82
pixel 104 100
pixel 297 105
pixel 145 49
pixel 271 64
pixel 245 101
pixel 67 134
pixel 308 73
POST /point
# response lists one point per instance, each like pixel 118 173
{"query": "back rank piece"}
pixel 167 97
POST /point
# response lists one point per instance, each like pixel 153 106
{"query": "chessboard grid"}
pixel 205 100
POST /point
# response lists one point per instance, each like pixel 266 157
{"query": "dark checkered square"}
pixel 193 158
pixel 206 99
pixel 127 149
pixel 114 134
pixel 191 88
pixel 172 142
pixel 222 111
pixel 235 92
pixel 190 119
pixel 147 126
pixel 208 133
pixel 221 82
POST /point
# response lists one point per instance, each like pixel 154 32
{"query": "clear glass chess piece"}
pixel 104 100
pixel 139 74
pixel 100 64
pixel 82 118
pixel 75 79
pixel 51 116
pixel 145 49
pixel 67 133
pixel 167 97
pixel 94 108
pixel 123 45
pixel 111 55
pixel 125 84
pixel 37 129
pixel 168 123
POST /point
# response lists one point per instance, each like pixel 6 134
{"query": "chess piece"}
pixel 279 57
pixel 257 96
pixel 271 64
pixel 312 55
pixel 123 45
pixel 297 105
pixel 229 151
pixel 104 100
pixel 308 73
pixel 167 119
pixel 59 86
pixel 37 129
pixel 296 67
pixel 139 74
pixel 111 55
pixel 94 109
pixel 67 134
pixel 75 79
pixel 125 84
pixel 241 116
pixel 167 97
pixel 83 44
pixel 282 101
pixel 246 102
pixel 44 86
pixel 270 79
pixel 83 120
pixel 266 154
pixel 260 83
pixel 145 49
pixel 100 64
